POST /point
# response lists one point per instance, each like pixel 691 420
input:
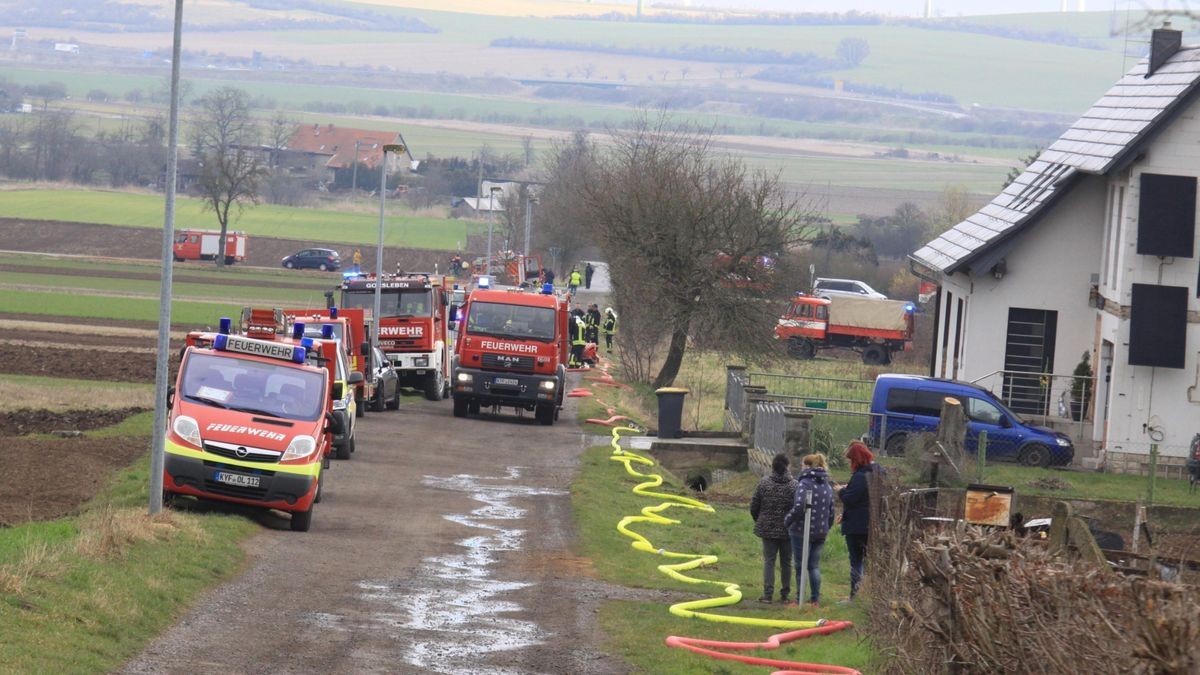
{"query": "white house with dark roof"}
pixel 1091 249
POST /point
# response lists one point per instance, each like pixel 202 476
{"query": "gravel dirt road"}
pixel 444 545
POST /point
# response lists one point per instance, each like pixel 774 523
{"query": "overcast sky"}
pixel 940 7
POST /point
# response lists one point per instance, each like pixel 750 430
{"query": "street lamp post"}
pixel 491 223
pixel 530 200
pixel 161 369
pixel 383 167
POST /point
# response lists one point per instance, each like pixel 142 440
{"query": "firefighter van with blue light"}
pixel 251 418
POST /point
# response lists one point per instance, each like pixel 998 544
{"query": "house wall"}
pixel 1153 405
pixel 1049 267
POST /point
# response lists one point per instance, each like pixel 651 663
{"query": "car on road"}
pixel 324 259
pixel 824 288
pixel 386 383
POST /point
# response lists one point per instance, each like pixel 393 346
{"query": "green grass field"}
pixel 145 210
pixel 52 303
pixel 84 594
pixel 601 496
pixel 182 291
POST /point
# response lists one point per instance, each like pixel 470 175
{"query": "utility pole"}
pixel 529 202
pixel 354 171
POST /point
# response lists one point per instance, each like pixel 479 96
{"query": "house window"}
pixel 946 333
pixel 1118 230
pixel 1167 215
pixel 1158 325
pixel 1028 355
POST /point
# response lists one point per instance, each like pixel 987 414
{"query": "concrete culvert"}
pixel 698 482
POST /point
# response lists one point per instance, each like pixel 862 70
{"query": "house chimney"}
pixel 1164 42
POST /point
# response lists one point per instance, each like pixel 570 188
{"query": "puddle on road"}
pixel 454 609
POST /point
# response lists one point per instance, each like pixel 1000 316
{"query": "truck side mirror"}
pixel 336 393
pixel 365 349
pixel 355 378
pixel 170 397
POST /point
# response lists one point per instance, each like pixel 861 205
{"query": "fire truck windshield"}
pixel 253 386
pixel 511 321
pixel 416 302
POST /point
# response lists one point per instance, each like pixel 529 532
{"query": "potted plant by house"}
pixel 1081 387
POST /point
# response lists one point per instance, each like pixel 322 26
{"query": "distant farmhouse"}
pixel 330 151
pixel 1091 250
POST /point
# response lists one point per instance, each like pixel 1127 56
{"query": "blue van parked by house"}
pixel 907 404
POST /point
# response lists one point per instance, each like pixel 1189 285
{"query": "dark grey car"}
pixel 324 259
pixel 387 382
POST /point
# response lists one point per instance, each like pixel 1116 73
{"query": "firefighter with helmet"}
pixel 578 341
pixel 609 327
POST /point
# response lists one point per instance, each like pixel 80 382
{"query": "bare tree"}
pixel 556 226
pixel 689 232
pixel 527 149
pixel 225 140
pixel 279 132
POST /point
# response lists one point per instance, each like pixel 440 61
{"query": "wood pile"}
pixel 964 599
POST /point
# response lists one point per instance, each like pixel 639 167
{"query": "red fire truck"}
pixel 511 350
pixel 350 329
pixel 412 326
pixel 874 328
pixel 509 269
pixel 251 417
pixel 206 245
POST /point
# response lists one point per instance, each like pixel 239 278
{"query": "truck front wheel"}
pixel 802 348
pixel 544 414
pixel 460 407
pixel 875 355
pixel 433 386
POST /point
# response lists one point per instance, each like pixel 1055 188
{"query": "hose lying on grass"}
pixel 689 561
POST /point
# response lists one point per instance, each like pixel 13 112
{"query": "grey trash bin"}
pixel 670 411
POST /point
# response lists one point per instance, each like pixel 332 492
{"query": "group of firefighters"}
pixel 586 328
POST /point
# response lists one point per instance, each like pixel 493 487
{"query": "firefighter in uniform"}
pixel 608 327
pixel 577 341
pixel 592 324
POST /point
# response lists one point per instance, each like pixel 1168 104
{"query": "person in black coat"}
pixel 588 271
pixel 856 510
pixel 771 501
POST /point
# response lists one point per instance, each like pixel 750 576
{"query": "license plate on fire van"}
pixel 506 381
pixel 237 479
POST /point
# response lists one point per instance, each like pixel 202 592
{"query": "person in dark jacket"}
pixel 814 479
pixel 856 512
pixel 771 502
pixel 593 321
pixel 588 271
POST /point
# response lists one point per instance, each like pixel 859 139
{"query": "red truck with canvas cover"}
pixel 511 350
pixel 206 245
pixel 877 329
pixel 250 419
pixel 412 326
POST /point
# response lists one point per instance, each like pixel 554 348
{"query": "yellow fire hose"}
pixel 689 561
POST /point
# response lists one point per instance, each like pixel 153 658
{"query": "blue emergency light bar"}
pixel 333 312
pixel 547 288
pixel 327 331
pixel 224 326
pixel 910 308
pixel 297 330
pixel 271 350
pixel 484 282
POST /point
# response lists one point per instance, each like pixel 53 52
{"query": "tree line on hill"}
pixel 850 52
